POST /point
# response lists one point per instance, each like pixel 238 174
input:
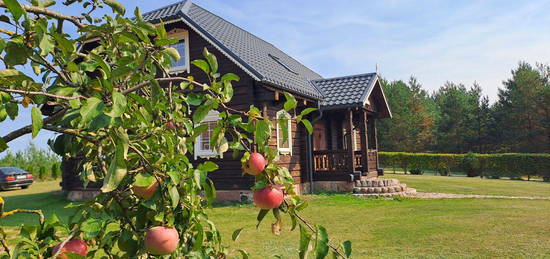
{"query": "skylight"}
pixel 278 60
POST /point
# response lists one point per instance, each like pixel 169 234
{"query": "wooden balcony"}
pixel 335 165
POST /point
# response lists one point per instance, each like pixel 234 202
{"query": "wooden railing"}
pixel 332 161
pixel 335 164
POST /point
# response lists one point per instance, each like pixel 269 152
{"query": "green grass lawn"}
pixel 379 228
pixel 473 185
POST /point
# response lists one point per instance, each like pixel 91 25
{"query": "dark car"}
pixel 14 177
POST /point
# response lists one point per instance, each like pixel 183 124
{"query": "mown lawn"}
pixel 474 185
pixel 378 228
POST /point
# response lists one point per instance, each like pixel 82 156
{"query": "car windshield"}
pixel 11 170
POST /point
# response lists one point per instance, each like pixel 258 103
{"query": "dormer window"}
pixel 182 47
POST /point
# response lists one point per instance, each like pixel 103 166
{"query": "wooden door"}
pixel 320 136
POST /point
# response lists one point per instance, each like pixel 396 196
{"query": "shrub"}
pixel 471 165
pixel 512 165
pixel 55 171
pixel 42 173
pixel 416 172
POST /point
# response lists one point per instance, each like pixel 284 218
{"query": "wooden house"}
pixel 343 146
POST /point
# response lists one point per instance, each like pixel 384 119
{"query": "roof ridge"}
pixel 343 77
pixel 251 34
pixel 160 8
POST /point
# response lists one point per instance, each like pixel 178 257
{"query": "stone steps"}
pixel 380 187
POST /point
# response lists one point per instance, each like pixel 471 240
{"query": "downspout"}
pixel 309 144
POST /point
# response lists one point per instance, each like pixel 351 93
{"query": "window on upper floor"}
pixel 182 46
pixel 284 146
pixel 202 145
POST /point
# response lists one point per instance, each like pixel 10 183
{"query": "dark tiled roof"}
pixel 259 58
pixel 166 13
pixel 345 91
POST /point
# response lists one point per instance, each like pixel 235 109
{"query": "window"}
pixel 202 145
pixel 182 47
pixel 284 147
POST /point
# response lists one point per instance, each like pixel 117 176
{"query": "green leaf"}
pixel 173 53
pixel 9 72
pixel 258 185
pixel 174 196
pixel 210 191
pixel 116 6
pixel 212 61
pixel 36 117
pixel 321 243
pixel 15 8
pixel 236 234
pixel 263 131
pixel 346 247
pixel 203 65
pixel 230 77
pixel 308 126
pixel 5 97
pixel 3 145
pixel 144 180
pixel 106 68
pixel 46 45
pixel 201 113
pixel 290 102
pixel 90 109
pixel 244 254
pixel 307 111
pixel 261 216
pixel 117 170
pixel 121 71
pixel 305 238
pixel 208 166
pixel 119 105
pixel 3 113
pixel 91 227
pixel 16 54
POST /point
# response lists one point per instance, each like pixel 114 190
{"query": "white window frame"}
pixel 181 34
pixel 199 152
pixel 284 150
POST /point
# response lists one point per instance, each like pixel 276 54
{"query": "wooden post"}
pixel 349 129
pixel 375 142
pixel 364 142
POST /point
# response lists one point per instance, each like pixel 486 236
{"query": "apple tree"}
pixel 135 125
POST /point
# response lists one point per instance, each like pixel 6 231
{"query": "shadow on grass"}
pixel 48 202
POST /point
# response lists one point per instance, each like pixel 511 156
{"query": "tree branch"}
pixel 70 132
pixel 48 12
pixel 28 129
pixel 23 92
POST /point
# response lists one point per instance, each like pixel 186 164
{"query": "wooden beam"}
pixel 349 132
pixel 363 128
pixel 277 95
pixel 376 142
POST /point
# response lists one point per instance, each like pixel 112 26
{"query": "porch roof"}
pixel 346 91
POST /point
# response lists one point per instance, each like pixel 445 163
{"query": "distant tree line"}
pixel 43 164
pixel 460 119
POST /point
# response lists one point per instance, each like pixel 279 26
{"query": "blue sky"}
pixel 436 41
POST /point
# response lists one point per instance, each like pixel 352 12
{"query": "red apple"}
pixel 269 197
pixel 171 125
pixel 161 240
pixel 76 246
pixel 145 192
pixel 256 164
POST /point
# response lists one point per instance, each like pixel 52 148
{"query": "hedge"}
pixel 513 165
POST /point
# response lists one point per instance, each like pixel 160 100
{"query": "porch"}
pixel 345 144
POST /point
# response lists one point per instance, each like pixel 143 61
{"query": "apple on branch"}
pixel 76 246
